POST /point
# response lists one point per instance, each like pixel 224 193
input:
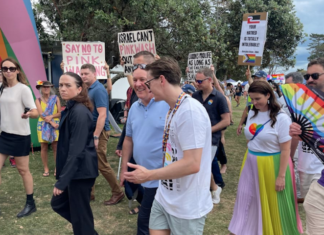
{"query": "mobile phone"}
pixel 26 110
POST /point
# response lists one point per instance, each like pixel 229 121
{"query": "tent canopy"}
pixel 230 80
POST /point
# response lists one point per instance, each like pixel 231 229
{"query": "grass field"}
pixel 108 219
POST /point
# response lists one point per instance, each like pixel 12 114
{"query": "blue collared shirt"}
pixel 145 125
pixel 99 97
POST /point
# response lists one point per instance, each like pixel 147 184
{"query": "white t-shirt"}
pixel 283 105
pixel 188 197
pixel 246 87
pixel 270 138
pixel 13 102
pixel 307 161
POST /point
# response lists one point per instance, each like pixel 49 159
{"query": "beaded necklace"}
pixel 166 131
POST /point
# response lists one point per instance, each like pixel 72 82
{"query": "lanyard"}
pixel 166 131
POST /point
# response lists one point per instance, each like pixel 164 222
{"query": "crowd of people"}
pixel 170 163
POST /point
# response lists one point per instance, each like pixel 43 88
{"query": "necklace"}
pixel 166 131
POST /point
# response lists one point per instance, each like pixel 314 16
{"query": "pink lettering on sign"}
pixel 67 48
pixel 132 49
pixel 86 49
pixel 85 60
pixel 69 59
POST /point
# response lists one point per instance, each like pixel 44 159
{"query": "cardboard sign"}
pixel 253 38
pixel 75 54
pixel 132 42
pixel 198 60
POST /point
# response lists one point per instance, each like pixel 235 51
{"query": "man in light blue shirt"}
pixel 144 132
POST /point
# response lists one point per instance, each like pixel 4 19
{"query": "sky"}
pixel 310 13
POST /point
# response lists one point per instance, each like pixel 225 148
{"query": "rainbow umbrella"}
pixel 19 40
pixel 306 106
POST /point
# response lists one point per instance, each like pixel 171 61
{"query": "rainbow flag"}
pixel 19 40
pixel 249 58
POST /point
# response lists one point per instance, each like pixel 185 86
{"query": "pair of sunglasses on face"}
pixel 315 76
pixel 139 66
pixel 11 69
pixel 200 81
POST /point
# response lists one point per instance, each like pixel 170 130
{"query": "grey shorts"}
pixel 161 220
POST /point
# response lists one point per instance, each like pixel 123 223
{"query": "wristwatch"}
pixel 96 137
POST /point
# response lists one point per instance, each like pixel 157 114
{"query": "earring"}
pixel 268 102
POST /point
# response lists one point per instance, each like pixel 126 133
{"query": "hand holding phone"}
pixel 26 110
pixel 25 115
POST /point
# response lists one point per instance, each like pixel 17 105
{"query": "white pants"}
pixel 314 207
pixel 305 182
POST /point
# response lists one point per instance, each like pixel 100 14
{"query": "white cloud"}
pixel 310 13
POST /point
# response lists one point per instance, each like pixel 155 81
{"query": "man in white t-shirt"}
pixel 183 199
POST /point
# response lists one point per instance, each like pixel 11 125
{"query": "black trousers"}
pixel 221 155
pixel 74 206
pixel 143 218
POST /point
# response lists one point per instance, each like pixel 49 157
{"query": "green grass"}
pixel 108 219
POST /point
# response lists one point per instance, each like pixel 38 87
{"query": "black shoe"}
pixel 222 185
pixel 27 210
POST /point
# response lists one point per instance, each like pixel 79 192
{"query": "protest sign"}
pixel 198 60
pixel 253 37
pixel 132 42
pixel 75 54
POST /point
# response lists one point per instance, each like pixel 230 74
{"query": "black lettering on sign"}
pixel 250 44
pixel 128 69
pixel 207 62
pixel 199 62
pixel 251 38
pixel 251 32
pixel 252 26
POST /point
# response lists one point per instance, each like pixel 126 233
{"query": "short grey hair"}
pixel 296 77
pixel 207 72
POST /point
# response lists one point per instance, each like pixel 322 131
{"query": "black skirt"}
pixel 15 145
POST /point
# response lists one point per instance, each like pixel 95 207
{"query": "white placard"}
pixel 198 60
pixel 132 42
pixel 75 54
pixel 253 38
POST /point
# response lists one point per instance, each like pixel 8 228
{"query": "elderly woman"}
pixel 49 108
pixel 16 107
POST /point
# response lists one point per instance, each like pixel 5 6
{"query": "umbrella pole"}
pixel 119 167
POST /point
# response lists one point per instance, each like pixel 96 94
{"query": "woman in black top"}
pixel 76 162
pixel 238 93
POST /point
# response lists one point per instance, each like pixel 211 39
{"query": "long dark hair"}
pixel 83 96
pixel 277 89
pixel 20 76
pixel 264 88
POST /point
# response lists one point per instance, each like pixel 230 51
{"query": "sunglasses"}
pixel 148 82
pixel 200 81
pixel 141 66
pixel 11 69
pixel 315 76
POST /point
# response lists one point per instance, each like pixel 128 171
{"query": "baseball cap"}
pixel 260 74
pixel 188 89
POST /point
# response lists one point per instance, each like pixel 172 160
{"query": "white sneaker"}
pixel 216 195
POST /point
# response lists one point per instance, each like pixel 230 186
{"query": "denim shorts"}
pixel 161 220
